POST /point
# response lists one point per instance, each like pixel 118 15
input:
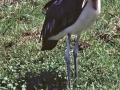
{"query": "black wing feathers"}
pixel 60 15
pixel 48 4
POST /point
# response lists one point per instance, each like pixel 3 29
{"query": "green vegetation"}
pixel 23 64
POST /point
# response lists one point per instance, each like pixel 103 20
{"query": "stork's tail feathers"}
pixel 49 44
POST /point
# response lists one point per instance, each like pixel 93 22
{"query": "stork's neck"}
pixel 95 4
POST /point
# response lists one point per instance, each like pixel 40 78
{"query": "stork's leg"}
pixel 75 52
pixel 67 58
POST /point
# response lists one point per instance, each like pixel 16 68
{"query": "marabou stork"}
pixel 67 17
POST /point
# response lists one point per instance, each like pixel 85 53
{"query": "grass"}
pixel 25 67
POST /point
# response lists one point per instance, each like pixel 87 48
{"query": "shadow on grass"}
pixel 45 80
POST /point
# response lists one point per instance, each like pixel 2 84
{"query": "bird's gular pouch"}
pixel 95 4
